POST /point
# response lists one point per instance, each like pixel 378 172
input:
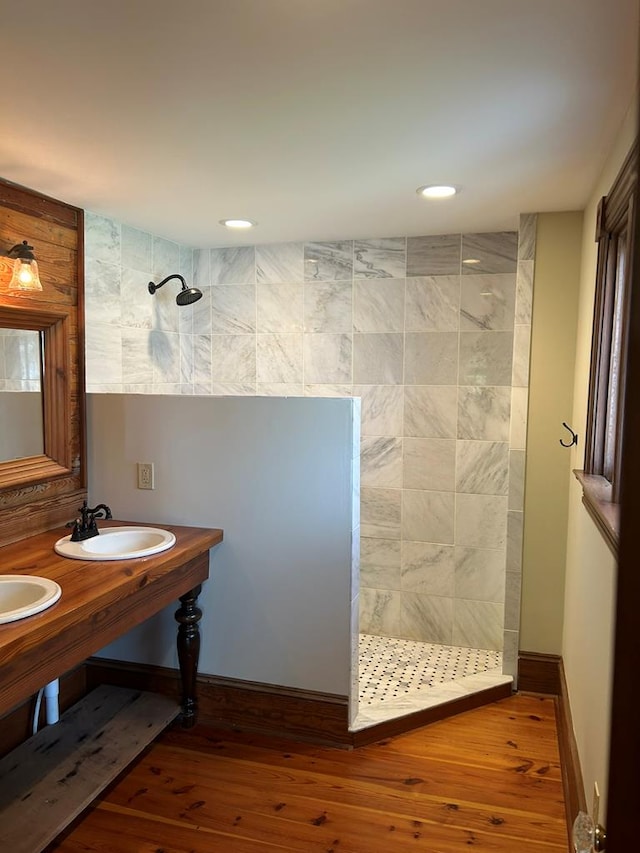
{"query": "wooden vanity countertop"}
pixel 100 601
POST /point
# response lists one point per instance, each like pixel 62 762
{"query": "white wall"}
pixel 587 645
pixel 276 475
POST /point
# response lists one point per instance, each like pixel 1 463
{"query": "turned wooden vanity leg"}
pixel 189 615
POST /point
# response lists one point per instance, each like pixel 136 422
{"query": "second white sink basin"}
pixel 117 543
pixel 25 595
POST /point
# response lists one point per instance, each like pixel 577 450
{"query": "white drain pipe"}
pixel 52 710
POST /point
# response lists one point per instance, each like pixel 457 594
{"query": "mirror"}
pixel 21 402
pixel 40 348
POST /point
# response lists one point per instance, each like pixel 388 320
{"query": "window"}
pixel 603 454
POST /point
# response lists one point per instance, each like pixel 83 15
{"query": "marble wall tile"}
pixel 280 389
pixel 381 461
pixel 427 568
pixel 136 250
pixel 165 354
pixel 429 463
pixel 484 412
pixel 381 258
pixel 478 624
pixel 233 359
pixel 428 516
pixel 432 303
pixel 378 305
pixel 426 617
pixel 164 311
pixel 328 390
pixel 380 612
pixel 430 411
pixel 519 408
pixel 380 513
pixel 186 359
pixel 481 521
pixel 510 646
pixel 186 263
pixel 201 313
pixel 514 541
pixel 279 308
pixel 101 238
pixel 233 265
pixel 438 255
pixel 202 359
pixel 104 354
pixel 233 389
pixel 431 358
pixel 233 309
pixel 328 307
pixel 136 303
pixel 516 480
pixel 512 595
pixel 487 302
pixel 279 358
pixel 327 359
pixel 527 236
pixel 524 292
pixel 496 251
pixel 382 408
pixel 479 574
pixel 202 268
pixel 521 349
pixel 102 289
pixel 165 260
pixel 280 263
pixel 328 261
pixel 377 359
pixel 485 358
pixel 380 562
pixel 482 467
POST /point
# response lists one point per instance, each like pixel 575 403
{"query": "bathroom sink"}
pixel 25 595
pixel 117 543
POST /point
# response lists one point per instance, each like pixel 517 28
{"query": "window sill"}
pixel 596 496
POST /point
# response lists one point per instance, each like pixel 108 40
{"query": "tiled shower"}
pixel 431 332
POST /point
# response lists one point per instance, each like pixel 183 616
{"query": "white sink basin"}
pixel 117 543
pixel 25 595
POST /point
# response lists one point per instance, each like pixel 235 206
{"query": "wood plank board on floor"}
pixel 216 790
pixel 48 780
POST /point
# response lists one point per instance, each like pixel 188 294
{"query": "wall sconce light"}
pixel 25 269
pixel 186 296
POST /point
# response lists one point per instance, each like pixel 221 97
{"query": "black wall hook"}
pixel 574 437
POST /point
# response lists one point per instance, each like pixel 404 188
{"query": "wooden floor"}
pixel 488 779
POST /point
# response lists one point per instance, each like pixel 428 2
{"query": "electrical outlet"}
pixel 145 475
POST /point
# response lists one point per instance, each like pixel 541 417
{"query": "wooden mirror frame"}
pixel 56 459
pixel 44 491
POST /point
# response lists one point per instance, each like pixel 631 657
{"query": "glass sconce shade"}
pixel 25 276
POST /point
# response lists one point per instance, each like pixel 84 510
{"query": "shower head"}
pixel 187 295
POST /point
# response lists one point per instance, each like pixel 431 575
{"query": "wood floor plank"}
pixel 262 799
pixel 488 780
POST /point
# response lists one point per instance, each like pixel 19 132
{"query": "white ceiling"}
pixel 317 118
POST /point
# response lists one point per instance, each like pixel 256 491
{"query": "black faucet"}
pixel 85 526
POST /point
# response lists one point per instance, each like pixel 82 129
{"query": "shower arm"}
pixel 153 287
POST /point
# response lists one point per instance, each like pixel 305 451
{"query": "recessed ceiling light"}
pixel 238 223
pixel 471 261
pixel 437 191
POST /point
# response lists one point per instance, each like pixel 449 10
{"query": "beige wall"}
pixel 587 644
pixel 553 343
